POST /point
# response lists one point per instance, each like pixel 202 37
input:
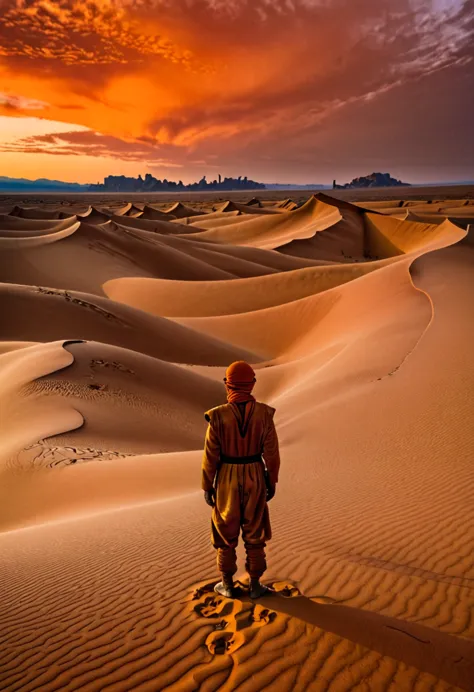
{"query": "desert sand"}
pixel 119 318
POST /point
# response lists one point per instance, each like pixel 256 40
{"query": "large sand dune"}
pixel 53 311
pixel 117 324
pixel 274 230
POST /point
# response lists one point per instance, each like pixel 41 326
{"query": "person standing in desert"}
pixel 234 479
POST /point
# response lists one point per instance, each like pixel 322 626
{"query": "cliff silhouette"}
pixel 121 183
pixel 372 180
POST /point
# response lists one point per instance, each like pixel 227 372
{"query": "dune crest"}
pixel 180 211
pixel 274 230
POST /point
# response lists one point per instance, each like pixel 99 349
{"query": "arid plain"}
pixel 119 316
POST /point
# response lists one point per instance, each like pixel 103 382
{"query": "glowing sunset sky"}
pixel 279 90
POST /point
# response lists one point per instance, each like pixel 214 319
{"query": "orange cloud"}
pixel 20 103
pixel 98 32
pixel 230 82
pixel 88 143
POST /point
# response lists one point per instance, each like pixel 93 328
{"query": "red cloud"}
pixel 90 144
pixel 239 82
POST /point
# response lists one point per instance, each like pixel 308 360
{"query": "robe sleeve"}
pixel 211 454
pixel 271 452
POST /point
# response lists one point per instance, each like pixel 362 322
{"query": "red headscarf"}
pixel 239 381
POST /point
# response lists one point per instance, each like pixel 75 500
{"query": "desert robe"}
pixel 235 432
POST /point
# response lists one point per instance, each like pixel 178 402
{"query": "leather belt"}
pixel 241 460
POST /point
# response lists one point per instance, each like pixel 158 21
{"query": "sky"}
pixel 288 91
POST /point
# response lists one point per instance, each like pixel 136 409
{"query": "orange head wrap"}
pixel 239 381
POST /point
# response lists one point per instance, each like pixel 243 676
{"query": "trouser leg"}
pixel 225 524
pixel 256 563
pixel 225 546
pixel 256 529
pixel 227 561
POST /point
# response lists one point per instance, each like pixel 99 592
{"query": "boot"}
pixel 225 587
pixel 256 589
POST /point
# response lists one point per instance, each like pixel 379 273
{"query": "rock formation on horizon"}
pixel 121 183
pixel 372 180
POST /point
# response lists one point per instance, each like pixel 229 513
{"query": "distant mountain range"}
pixel 41 185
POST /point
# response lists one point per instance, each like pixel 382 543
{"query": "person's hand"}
pixel 271 489
pixel 209 496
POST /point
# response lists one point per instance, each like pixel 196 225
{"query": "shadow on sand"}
pixel 443 655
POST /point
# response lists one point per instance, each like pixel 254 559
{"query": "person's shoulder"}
pixel 266 409
pixel 213 412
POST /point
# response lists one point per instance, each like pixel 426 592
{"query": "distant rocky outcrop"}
pixel 120 183
pixel 372 180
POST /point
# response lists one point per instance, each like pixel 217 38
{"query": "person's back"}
pixel 234 478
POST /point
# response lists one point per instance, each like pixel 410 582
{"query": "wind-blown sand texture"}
pixel 118 321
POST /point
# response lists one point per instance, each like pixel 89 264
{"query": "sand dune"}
pixel 237 261
pixel 345 240
pixel 254 201
pixel 211 216
pixel 107 383
pixel 287 204
pixel 111 250
pixel 164 227
pixel 398 211
pixel 119 211
pixel 460 212
pixel 114 340
pixel 100 253
pixel 214 219
pixel 156 214
pixel 127 210
pixel 90 479
pixel 231 206
pixel 24 240
pixel 38 213
pixel 274 230
pixel 381 205
pixel 13 223
pixel 180 211
pixel 387 237
pixel 95 216
pixel 310 321
pixel 199 299
pixel 207 224
pixel 54 311
pixel 135 210
pixel 443 207
pixel 461 221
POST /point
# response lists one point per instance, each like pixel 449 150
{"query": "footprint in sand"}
pixel 285 589
pixel 217 606
pixel 233 619
pixel 220 643
pixel 261 616
pixel 201 590
pixel 288 590
pixel 225 639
